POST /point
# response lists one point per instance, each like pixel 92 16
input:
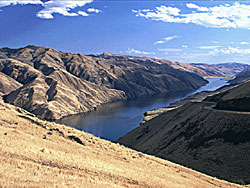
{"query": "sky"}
pixel 183 31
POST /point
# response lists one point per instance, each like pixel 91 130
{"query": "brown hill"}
pixel 241 77
pixel 204 70
pixel 55 95
pixel 235 99
pixel 200 136
pixel 52 84
pixel 36 153
pixel 8 84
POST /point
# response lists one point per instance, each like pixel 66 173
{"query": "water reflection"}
pixel 113 120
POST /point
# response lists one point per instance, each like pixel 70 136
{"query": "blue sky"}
pixel 186 31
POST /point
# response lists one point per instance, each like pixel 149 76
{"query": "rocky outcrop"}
pixel 52 84
pixel 202 135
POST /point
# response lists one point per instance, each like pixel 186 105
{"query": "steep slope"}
pixel 241 77
pixel 235 99
pixel 8 84
pixel 36 153
pixel 54 84
pixel 200 136
pixel 56 94
pixel 134 76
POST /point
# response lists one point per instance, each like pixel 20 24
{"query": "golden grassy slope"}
pixel 37 153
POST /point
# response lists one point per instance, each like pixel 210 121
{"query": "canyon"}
pixel 53 84
pixel 208 132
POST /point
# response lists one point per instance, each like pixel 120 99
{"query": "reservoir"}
pixel 113 120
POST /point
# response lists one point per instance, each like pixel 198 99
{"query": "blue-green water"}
pixel 113 120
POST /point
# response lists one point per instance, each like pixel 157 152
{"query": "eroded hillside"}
pixel 52 84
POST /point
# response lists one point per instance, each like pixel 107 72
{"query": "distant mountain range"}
pixel 204 70
pixel 52 84
pixel 222 69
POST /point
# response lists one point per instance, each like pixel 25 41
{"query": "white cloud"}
pixel 13 2
pixel 82 13
pixel 170 50
pixel 208 47
pixel 94 10
pixel 209 54
pixel 223 16
pixel 134 51
pixel 184 46
pixel 218 50
pixel 222 54
pixel 52 7
pixel 193 6
pixel 214 42
pixel 244 43
pixel 167 39
pixel 60 7
pixel 233 50
pixel 199 55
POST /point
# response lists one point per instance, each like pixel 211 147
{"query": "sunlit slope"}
pixel 36 153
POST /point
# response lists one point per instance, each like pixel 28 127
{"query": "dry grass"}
pixel 36 153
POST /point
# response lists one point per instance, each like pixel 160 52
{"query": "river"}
pixel 113 120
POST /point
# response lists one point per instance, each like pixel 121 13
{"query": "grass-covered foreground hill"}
pixel 37 153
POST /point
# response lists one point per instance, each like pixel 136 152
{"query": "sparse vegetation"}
pixel 29 157
pixel 53 84
pixel 197 135
pixel 241 182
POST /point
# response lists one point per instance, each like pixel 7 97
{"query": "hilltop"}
pixel 201 69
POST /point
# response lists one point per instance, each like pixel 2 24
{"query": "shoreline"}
pixel 80 120
pixel 197 97
pixel 110 102
pixel 221 77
